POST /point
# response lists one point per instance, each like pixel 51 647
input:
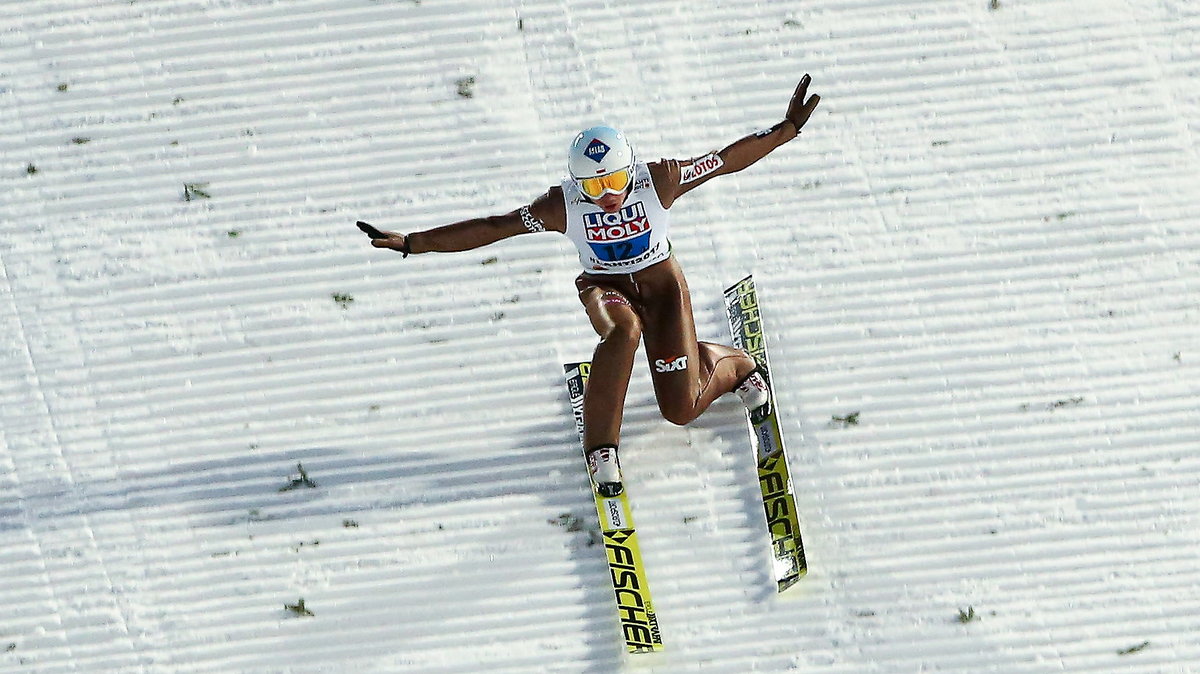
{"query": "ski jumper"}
pixel 634 290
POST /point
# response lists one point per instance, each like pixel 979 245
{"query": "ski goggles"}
pixel 614 183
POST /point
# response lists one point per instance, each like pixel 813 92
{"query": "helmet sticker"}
pixel 596 150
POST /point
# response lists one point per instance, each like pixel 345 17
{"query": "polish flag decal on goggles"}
pixel 614 183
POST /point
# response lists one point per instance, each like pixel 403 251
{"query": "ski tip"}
pixel 646 655
pixel 748 279
pixel 785 583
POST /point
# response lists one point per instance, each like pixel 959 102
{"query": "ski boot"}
pixel 606 470
pixel 755 392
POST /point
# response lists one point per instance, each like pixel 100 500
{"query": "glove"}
pixel 380 239
pixel 799 109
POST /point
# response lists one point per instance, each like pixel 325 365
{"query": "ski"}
pixel 635 609
pixel 774 479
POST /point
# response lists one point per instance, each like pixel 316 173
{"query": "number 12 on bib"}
pixel 774 478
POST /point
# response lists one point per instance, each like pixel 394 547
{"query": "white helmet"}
pixel 599 151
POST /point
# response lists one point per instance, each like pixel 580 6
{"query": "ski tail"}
pixel 635 608
pixel 774 477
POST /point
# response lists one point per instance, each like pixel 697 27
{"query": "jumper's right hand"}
pixel 381 239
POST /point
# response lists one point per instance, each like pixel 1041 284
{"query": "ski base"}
pixel 635 609
pixel 774 478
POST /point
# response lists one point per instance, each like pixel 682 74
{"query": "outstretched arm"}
pixel 545 213
pixel 743 152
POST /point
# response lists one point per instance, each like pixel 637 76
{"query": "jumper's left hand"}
pixel 799 109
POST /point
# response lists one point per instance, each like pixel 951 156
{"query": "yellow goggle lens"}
pixel 613 182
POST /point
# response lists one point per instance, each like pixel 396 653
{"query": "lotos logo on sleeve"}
pixel 618 236
pixel 700 168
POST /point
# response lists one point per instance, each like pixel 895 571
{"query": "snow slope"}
pixel 985 244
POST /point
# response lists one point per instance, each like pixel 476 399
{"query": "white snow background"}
pixel 986 244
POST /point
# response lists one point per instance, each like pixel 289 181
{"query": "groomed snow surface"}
pixel 983 255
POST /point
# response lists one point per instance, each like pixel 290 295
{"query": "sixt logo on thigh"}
pixel 618 236
pixel 676 364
